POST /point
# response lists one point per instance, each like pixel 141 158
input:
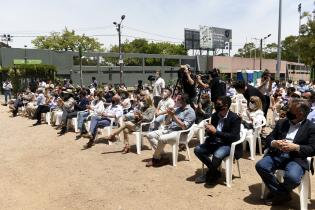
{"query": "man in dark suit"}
pixel 248 91
pixel 223 130
pixel 289 144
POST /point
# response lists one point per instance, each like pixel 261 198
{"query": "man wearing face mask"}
pixel 223 130
pixel 289 145
pixel 180 119
pixel 166 103
pixel 114 110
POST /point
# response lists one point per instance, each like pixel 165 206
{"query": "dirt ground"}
pixel 39 170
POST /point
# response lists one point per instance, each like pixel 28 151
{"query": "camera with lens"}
pixel 151 78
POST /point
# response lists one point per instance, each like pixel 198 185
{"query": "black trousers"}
pixel 266 105
pixel 41 109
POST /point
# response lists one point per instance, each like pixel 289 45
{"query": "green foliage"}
pixel 306 44
pixel 143 46
pixel 19 73
pixel 67 41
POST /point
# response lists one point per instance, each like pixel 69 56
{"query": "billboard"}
pixel 208 38
pixel 192 39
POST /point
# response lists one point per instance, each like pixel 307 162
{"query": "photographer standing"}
pixel 265 88
pixel 188 84
pixel 217 86
pixel 159 84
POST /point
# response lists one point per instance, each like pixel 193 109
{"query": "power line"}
pixel 156 34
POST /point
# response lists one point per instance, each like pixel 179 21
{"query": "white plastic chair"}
pixel 228 161
pixel 138 136
pixel 48 117
pixel 253 134
pixel 180 139
pixel 74 123
pixel 304 188
pixel 109 129
pixel 200 128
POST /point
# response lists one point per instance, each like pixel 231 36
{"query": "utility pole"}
pixel 279 42
pixel 80 59
pixel 121 61
pixel 300 17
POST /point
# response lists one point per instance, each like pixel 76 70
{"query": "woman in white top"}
pixel 95 108
pixel 254 110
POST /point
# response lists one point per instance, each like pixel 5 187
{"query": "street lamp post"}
pixel 121 61
pixel 279 42
pixel 261 43
pixel 25 58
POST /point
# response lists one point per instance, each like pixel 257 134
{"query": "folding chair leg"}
pixel 228 172
pixel 138 142
pixel 188 153
pixel 175 153
pixel 263 189
pixel 238 168
pixel 304 187
pixel 252 148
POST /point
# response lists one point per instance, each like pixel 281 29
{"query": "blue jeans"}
pixel 6 94
pixel 293 173
pixel 98 122
pixel 81 117
pixel 219 151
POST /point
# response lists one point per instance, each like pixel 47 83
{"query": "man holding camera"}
pixel 188 83
pixel 217 86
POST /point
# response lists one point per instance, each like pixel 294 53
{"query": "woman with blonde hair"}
pixel 145 114
pixel 254 110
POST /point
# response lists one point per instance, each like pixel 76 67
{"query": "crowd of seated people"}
pixel 100 106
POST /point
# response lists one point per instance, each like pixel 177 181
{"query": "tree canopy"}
pixel 67 41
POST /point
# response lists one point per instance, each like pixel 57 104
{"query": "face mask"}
pixel 218 108
pixel 252 106
pixel 291 116
pixel 97 98
pixel 203 101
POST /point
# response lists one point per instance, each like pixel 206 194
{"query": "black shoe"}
pixel 89 145
pixel 160 162
pixel 37 123
pixel 78 136
pixel 62 132
pixel 212 176
pixel 278 199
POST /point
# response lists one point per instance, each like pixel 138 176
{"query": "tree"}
pixel 306 44
pixel 2 44
pixel 67 41
pixel 143 46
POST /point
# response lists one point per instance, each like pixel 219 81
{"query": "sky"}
pixel 155 20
